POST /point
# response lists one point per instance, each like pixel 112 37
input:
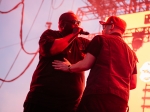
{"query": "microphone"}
pixel 84 32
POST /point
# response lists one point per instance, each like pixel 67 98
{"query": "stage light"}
pixel 147 19
pixel 48 25
pixel 145 72
pixel 137 40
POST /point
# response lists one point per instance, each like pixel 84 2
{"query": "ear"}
pixel 61 24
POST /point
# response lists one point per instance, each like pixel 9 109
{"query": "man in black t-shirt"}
pixel 54 90
pixel 113 70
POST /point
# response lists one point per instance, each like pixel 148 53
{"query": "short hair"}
pixel 67 16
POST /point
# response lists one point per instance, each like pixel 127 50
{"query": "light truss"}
pixel 101 9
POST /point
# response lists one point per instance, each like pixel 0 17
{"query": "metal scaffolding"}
pixel 100 9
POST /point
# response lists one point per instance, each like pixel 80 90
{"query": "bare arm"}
pixel 82 65
pixel 133 81
pixel 60 44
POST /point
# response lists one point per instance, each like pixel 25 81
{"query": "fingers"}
pixel 56 63
pixel 67 62
pixel 61 65
pixel 65 59
pixel 56 66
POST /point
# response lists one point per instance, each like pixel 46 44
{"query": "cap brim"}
pixel 102 22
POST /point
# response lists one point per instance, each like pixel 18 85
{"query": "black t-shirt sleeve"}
pixel 45 43
pixel 95 46
pixel 135 70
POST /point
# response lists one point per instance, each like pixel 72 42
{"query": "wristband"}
pixel 69 68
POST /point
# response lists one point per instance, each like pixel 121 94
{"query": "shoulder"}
pixel 81 39
pixel 50 32
pixel 98 38
pixel 135 56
